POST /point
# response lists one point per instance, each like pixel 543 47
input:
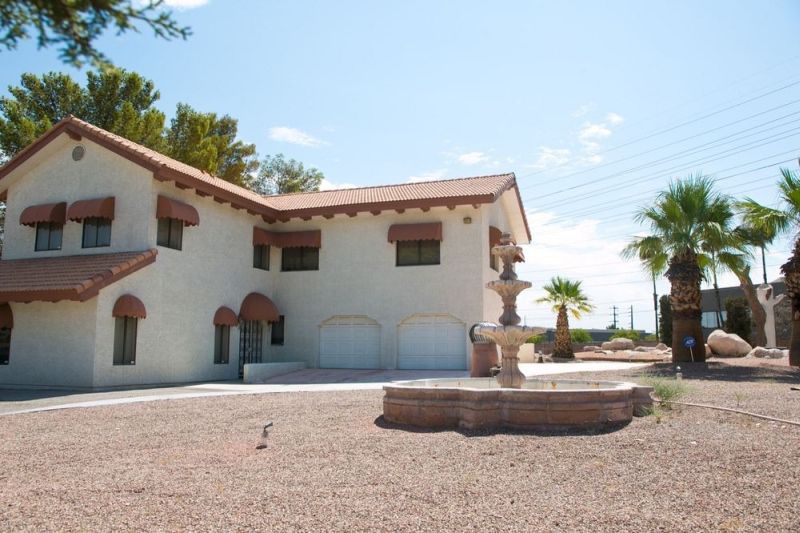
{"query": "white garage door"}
pixel 350 342
pixel 432 342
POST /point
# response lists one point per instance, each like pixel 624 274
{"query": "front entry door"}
pixel 250 343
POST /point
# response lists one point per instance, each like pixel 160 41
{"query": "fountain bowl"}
pixel 541 404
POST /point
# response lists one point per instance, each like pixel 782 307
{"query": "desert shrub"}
pixel 651 337
pixel 579 335
pixel 666 390
pixel 665 320
pixel 738 320
pixel 536 339
pixel 626 334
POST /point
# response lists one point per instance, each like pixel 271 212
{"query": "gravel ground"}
pixel 332 464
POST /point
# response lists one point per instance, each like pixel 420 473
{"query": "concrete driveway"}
pixel 17 401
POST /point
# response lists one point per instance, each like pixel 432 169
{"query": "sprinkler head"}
pixel 262 443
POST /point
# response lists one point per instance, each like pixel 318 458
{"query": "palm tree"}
pixel 567 297
pixel 685 216
pixel 772 221
pixel 725 249
pixel 650 251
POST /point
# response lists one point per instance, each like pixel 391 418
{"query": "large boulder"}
pixel 661 347
pixel 618 344
pixel 590 348
pixel 768 353
pixel 728 344
pixel 709 351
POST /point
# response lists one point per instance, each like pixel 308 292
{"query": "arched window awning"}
pixel 429 231
pixel 97 208
pixel 169 208
pixel 225 317
pixel 256 306
pixel 130 306
pixel 6 317
pixel 55 213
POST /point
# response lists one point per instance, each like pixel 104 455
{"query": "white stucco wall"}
pixel 52 176
pixel 52 344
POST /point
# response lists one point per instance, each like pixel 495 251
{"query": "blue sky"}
pixel 565 94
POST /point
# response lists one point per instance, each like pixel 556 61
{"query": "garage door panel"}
pixel 349 346
pixel 433 343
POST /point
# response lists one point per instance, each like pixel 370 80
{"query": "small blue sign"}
pixel 689 341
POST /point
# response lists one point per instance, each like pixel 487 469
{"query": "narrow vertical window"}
pixel 261 256
pixel 170 233
pixel 96 232
pixel 277 332
pixel 222 344
pixel 48 236
pixel 125 340
pixel 5 345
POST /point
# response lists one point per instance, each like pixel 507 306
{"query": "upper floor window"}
pixel 96 232
pixel 48 236
pixel 299 258
pixel 412 253
pixel 261 256
pixel 170 233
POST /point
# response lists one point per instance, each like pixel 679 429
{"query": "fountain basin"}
pixel 480 403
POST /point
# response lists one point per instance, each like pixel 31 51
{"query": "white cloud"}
pixel 185 4
pixel 582 110
pixel 330 186
pixel 472 158
pixel 551 158
pixel 294 136
pixel 590 131
pixel 614 119
pixel 432 175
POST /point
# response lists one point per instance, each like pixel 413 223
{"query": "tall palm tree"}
pixel 776 221
pixel 567 297
pixel 650 251
pixel 684 217
pixel 724 249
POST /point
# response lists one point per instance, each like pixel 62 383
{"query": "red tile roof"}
pixel 463 191
pixel 75 277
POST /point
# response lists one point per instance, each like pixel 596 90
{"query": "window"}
pixel 5 345
pixel 170 233
pixel 417 253
pixel 125 341
pixel 301 258
pixel 222 345
pixel 277 332
pixel 48 236
pixel 261 256
pixel 709 319
pixel 96 232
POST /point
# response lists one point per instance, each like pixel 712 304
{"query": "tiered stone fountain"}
pixel 509 400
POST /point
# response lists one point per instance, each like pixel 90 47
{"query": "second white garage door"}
pixel 350 342
pixel 432 342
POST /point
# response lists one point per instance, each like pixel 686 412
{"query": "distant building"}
pixel 598 335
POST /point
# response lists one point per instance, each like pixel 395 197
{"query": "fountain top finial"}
pixel 508 252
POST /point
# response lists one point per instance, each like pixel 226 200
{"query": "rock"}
pixel 767 353
pixel 728 344
pixel 709 351
pixel 618 344
pixel 662 347
pixel 645 349
pixel 590 348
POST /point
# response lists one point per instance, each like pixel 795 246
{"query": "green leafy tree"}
pixel 626 334
pixel 75 25
pixel 279 176
pixel 684 218
pixel 665 320
pixel 208 142
pixel 116 100
pixel 737 318
pixel 566 296
pixel 579 335
pixel 783 219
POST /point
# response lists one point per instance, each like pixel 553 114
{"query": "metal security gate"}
pixel 250 343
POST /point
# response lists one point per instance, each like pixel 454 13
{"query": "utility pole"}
pixel 614 311
pixel 631 318
pixel 655 306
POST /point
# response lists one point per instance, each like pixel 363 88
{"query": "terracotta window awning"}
pixel 169 208
pixel 256 306
pixel 288 239
pixel 35 214
pixel 6 317
pixel 129 306
pixel 74 277
pixel 430 231
pixel 225 317
pixel 97 208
